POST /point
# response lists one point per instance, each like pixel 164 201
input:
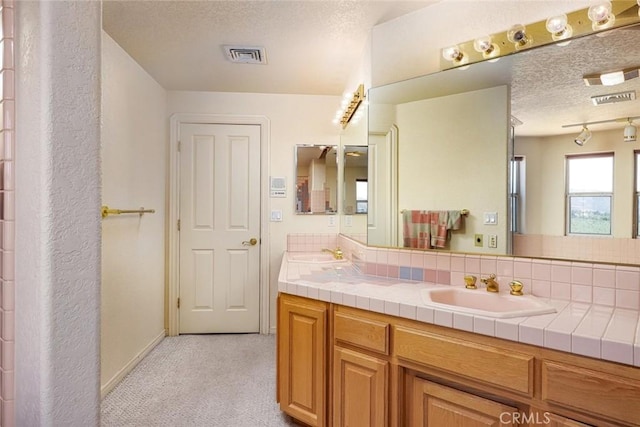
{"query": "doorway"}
pixel 218 253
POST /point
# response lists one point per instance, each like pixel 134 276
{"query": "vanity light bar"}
pixel 352 106
pixel 520 38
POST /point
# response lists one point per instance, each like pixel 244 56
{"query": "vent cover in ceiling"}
pixel 611 98
pixel 245 54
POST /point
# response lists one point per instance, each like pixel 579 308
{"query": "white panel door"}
pixel 219 217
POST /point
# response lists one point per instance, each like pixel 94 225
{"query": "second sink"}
pixel 483 303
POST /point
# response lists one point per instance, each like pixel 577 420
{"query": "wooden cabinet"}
pixel 595 392
pixel 359 389
pixel 553 420
pixel 344 367
pixel 360 380
pixel 507 369
pixel 302 359
pixel 434 405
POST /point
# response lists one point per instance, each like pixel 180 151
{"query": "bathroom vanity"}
pixel 340 365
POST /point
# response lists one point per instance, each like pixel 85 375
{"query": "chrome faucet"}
pixel 337 253
pixel 492 285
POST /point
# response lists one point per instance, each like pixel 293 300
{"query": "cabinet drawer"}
pixel 595 392
pixel 506 369
pixel 366 333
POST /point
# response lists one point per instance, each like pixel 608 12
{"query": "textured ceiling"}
pixel 312 46
pixel 548 90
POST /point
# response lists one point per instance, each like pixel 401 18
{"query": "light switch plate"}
pixel 491 218
pixel 348 221
pixel 276 216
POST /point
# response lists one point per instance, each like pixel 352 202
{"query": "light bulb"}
pixel 518 36
pixel 455 55
pixel 485 46
pixel 559 27
pixel 452 53
pixel 601 16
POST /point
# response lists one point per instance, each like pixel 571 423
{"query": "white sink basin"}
pixel 312 257
pixel 483 303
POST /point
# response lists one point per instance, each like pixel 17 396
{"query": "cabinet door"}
pixel 434 405
pixel 359 390
pixel 302 359
pixel 558 421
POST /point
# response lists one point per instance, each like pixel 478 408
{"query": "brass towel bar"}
pixel 463 212
pixel 106 211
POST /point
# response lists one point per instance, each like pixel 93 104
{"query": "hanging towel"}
pixel 440 225
pixel 416 228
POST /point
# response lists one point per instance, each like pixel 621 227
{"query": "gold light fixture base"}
pixel 356 100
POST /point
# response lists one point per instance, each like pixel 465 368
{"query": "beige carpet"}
pixel 200 380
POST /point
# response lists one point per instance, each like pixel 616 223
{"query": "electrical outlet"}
pixel 332 220
pixel 478 240
pixel 493 241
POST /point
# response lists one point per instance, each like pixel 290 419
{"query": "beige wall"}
pixel 452 155
pixel 545 179
pixel 134 168
pixel 294 119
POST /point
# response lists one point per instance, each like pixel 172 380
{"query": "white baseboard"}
pixel 273 330
pixel 115 380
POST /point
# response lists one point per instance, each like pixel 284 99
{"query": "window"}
pixel 361 196
pixel 589 194
pixel 637 196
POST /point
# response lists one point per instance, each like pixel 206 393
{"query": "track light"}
pixel 630 132
pixel 601 16
pixel 583 137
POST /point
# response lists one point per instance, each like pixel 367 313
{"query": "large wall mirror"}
pixel 498 139
pixel 316 179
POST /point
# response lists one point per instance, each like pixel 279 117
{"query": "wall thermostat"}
pixel 278 186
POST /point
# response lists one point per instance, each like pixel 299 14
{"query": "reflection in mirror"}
pixel 355 180
pixel 316 179
pixel 452 155
pixel 354 171
pixel 547 93
pixel 355 191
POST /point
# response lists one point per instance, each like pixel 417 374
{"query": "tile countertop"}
pixel 592 330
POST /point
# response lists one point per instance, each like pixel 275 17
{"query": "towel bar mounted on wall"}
pixel 463 212
pixel 106 211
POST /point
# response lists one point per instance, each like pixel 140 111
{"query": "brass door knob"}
pixel 252 242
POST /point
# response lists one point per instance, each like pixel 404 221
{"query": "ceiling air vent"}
pixel 611 98
pixel 245 54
